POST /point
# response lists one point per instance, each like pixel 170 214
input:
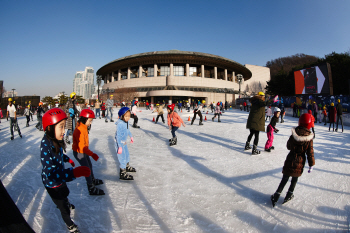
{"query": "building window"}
pixel 194 72
pixel 164 70
pixel 150 72
pixel 179 70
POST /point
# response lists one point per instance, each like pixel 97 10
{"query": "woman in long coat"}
pixel 332 116
pixel 256 120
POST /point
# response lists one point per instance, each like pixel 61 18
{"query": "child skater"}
pixel 122 149
pixel 324 112
pixel 268 113
pixel 197 111
pixel 299 143
pixel 54 174
pixel 27 113
pixel 217 112
pixel 174 122
pixel 159 110
pixel 312 122
pixel 272 128
pixel 82 152
pixel 133 114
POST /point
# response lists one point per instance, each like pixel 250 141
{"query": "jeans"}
pixel 341 121
pixel 256 134
pixel 85 161
pixel 14 123
pixel 39 125
pixel 284 182
pixel 173 130
pixel 98 112
pixel 109 109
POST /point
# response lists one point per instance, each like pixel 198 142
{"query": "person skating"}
pixel 245 105
pixel 39 114
pixel 12 113
pixel 198 111
pixel 332 116
pixel 217 112
pixel 315 110
pixel 268 113
pixel 188 106
pixel 339 116
pixel 256 120
pixel 159 110
pixel 54 174
pixel 121 136
pixel 174 123
pixel 312 122
pixel 283 113
pixel 98 108
pixel 299 143
pixel 134 110
pixel 27 113
pixel 82 152
pixel 240 106
pixel 31 109
pixel 110 104
pixel 324 112
pixel 103 109
pixel 271 128
pixel 72 112
pixel 147 105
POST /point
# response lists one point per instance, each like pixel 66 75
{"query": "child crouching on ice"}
pixel 54 174
pixel 122 149
pixel 174 122
pixel 272 128
pixel 299 143
pixel 82 152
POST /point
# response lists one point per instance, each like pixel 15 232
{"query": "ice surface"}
pixel 206 183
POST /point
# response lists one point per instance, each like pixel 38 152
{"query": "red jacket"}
pixel 332 114
pixel 174 119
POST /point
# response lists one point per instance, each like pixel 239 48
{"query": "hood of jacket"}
pixel 302 134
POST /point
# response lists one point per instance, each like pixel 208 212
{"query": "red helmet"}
pixel 305 120
pixel 87 113
pixel 218 103
pixel 53 116
pixel 136 102
pixel 170 106
pixel 309 111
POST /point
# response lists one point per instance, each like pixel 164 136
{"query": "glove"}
pixel 276 130
pixel 81 171
pixel 95 156
pixel 71 162
pixel 310 169
pixel 120 150
pixel 132 140
pixel 71 112
pixel 275 99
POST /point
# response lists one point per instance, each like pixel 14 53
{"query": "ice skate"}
pixel 288 197
pixel 106 120
pixel 12 138
pixel 130 168
pixel 95 191
pixel 124 175
pixel 274 198
pixel 112 120
pixel 135 126
pixel 255 151
pixel 212 119
pixel 272 147
pixel 268 150
pixel 97 181
pixel 200 123
pixel 173 141
pixel 73 228
pixel 247 146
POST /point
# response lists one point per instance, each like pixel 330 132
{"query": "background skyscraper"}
pixel 83 83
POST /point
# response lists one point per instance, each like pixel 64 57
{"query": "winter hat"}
pixel 305 120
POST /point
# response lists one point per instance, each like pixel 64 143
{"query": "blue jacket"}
pixel 122 133
pixel 54 173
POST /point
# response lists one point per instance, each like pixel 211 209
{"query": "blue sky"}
pixel 43 43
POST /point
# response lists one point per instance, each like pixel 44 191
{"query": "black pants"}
pixel 199 114
pixel 268 117
pixel 330 123
pixel 28 119
pixel 284 182
pixel 256 138
pixel 31 115
pixel 160 115
pixel 136 119
pixel 341 121
pixel 59 197
pixel 315 116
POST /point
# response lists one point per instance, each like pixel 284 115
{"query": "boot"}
pixel 255 151
pixel 247 146
pixel 212 119
pixel 74 228
pixel 272 147
pixel 200 123
pixel 135 126
pixel 97 181
pixel 106 120
pixel 192 121
pixel 173 141
pixel 288 197
pixel 274 198
pixel 268 150
pixel 112 120
pixel 124 175
pixel 130 168
pixel 95 191
pixel 219 119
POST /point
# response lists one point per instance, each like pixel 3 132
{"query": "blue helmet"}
pixel 122 111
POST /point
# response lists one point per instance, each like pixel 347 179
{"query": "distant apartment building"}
pixel 83 83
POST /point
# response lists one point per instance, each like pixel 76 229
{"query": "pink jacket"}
pixel 174 119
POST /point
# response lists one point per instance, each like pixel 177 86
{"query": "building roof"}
pixel 175 56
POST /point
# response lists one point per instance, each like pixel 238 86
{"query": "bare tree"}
pixel 255 87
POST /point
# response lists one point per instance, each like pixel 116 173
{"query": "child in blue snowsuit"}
pixel 120 146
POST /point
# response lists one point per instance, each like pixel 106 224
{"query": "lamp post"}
pixel 98 80
pixel 13 93
pixel 240 78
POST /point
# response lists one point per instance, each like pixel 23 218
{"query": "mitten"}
pixel 132 140
pixel 81 171
pixel 275 99
pixel 71 112
pixel 71 162
pixel 276 130
pixel 120 150
pixel 95 156
pixel 310 169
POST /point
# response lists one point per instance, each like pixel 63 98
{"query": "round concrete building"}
pixel 174 76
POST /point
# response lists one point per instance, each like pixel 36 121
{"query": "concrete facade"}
pixel 188 75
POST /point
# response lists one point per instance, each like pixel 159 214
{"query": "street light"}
pixel 240 78
pixel 98 80
pixel 13 93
